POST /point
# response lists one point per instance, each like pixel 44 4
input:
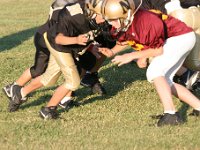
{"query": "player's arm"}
pixel 111 52
pixel 128 57
pixel 65 40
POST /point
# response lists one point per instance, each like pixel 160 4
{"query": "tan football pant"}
pixel 60 62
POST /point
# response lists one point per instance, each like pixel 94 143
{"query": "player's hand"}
pixel 82 39
pixel 142 62
pixel 106 51
pixel 123 59
pixel 95 51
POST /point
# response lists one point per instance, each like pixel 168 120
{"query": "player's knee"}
pixel 49 83
pixel 73 85
pixel 36 72
pixel 72 78
pixel 153 73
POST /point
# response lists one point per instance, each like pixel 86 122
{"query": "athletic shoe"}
pixel 169 119
pixel 196 86
pixel 49 112
pixel 16 98
pixel 92 80
pixel 191 79
pixel 187 79
pixel 12 107
pixel 69 104
pixel 7 90
pixel 89 79
pixel 99 89
pixel 195 113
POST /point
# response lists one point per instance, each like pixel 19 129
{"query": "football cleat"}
pixel 49 112
pixel 170 119
pixel 16 98
pixel 12 107
pixel 196 86
pixel 188 79
pixel 191 79
pixel 7 90
pixel 195 113
pixel 89 79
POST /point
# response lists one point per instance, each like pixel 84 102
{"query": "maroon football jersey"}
pixel 149 30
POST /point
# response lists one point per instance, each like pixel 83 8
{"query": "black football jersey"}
pixel 189 3
pixel 71 22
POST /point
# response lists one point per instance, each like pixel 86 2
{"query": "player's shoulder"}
pixel 72 9
pixel 146 15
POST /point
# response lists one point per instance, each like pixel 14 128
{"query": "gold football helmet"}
pixel 93 7
pixel 119 9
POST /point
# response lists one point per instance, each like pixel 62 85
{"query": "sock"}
pixel 88 72
pixel 15 83
pixel 65 99
pixel 22 93
pixel 197 109
pixel 172 112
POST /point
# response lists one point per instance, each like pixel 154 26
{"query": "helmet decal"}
pixel 94 3
pixel 125 5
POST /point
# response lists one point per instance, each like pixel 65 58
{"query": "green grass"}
pixel 120 120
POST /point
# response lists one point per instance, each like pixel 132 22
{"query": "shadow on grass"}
pixel 37 102
pixel 183 111
pixel 184 107
pixel 116 79
pixel 13 40
pixel 40 100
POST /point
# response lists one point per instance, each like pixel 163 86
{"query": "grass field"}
pixel 119 121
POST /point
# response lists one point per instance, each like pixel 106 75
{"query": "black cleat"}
pixel 49 112
pixel 195 113
pixel 7 90
pixel 89 79
pixel 192 79
pixel 92 80
pixel 188 79
pixel 99 89
pixel 196 86
pixel 69 104
pixel 12 107
pixel 170 119
pixel 16 98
